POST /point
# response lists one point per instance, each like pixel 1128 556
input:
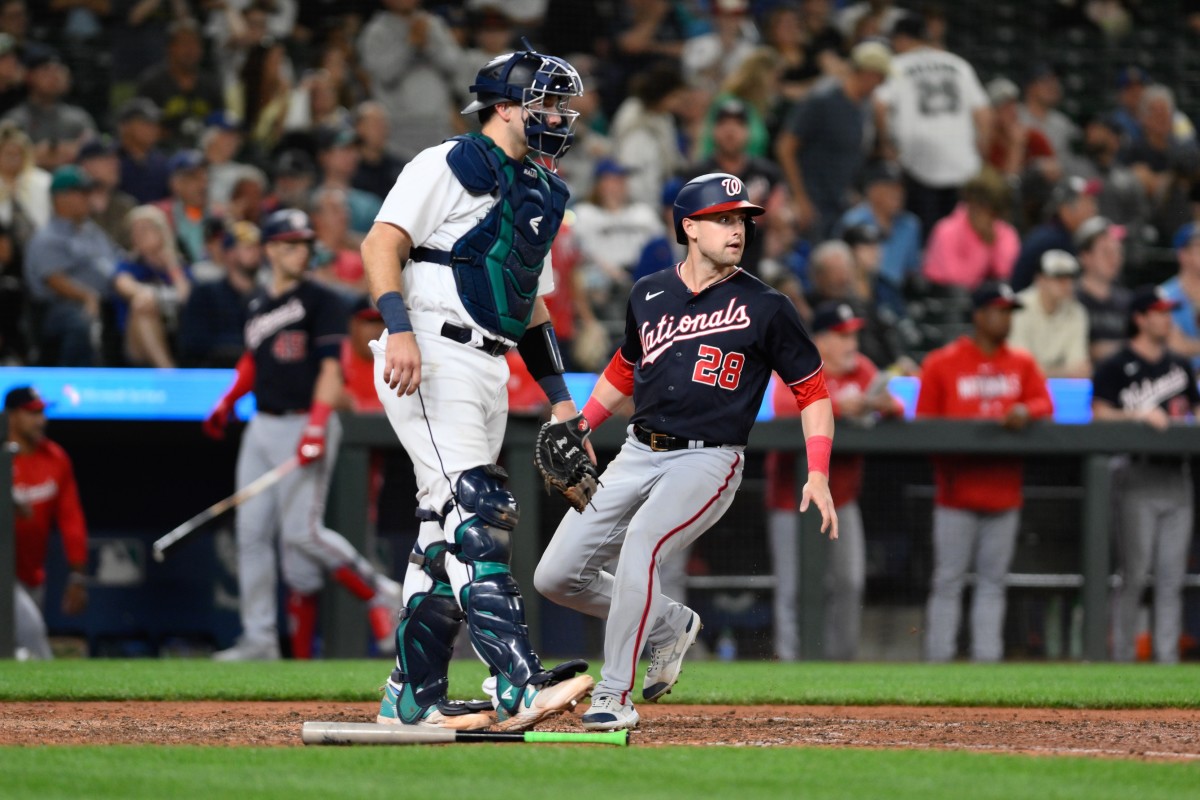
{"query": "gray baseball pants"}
pixel 30 624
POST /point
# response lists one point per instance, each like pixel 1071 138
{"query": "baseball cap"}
pixel 995 294
pixel 836 316
pixel 1001 91
pixel 872 57
pixel 1186 234
pixel 607 166
pixel 241 232
pixel 863 233
pixel 1058 264
pixel 1151 298
pixel 223 120
pixel 331 138
pixel 731 107
pixel 911 25
pixel 880 171
pixel 24 398
pixel 1130 75
pixel 96 147
pixel 1041 69
pixel 41 56
pixel 1092 228
pixel 1071 189
pixel 288 225
pixel 139 108
pixel 70 178
pixel 294 162
pixel 185 160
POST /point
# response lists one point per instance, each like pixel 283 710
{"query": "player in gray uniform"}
pixel 1146 382
pixel 293 333
pixel 458 259
pixel 701 341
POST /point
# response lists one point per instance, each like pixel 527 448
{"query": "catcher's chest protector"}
pixel 497 263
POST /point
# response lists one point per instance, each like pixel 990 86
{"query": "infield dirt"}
pixel 1160 735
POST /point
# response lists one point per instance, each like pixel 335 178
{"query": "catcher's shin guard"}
pixel 491 598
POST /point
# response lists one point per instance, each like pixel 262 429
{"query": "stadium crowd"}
pixel 142 143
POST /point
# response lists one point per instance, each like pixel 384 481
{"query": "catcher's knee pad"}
pixel 429 624
pixel 484 535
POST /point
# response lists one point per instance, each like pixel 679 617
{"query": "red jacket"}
pixel 44 485
pixel 959 382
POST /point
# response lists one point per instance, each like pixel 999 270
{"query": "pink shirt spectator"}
pixel 956 255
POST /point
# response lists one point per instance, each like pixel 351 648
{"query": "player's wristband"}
pixel 595 413
pixel 555 388
pixel 395 315
pixel 818 449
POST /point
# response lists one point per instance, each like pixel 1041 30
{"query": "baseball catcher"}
pixel 561 456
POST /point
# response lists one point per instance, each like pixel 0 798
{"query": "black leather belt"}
pixel 662 442
pixel 493 347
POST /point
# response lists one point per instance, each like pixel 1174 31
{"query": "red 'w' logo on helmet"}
pixel 733 186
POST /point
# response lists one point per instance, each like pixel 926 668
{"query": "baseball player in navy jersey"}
pixel 1146 382
pixel 701 341
pixel 458 261
pixel 294 331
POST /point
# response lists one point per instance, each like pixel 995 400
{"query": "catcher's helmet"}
pixel 711 194
pixel 288 225
pixel 527 78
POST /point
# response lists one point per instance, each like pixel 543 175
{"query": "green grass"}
pixel 497 772
pixel 708 682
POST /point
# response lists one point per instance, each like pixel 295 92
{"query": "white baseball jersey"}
pixel 434 209
pixel 931 98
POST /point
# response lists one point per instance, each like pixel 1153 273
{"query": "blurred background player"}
pixel 294 332
pixel 859 397
pixel 977 504
pixel 45 496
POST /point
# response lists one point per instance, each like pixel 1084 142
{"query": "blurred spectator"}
pixel 211 323
pixel 1098 244
pixel 648 33
pixel 295 176
pixel 1131 85
pixel 336 257
pixel 1148 383
pixel 938 118
pixel 611 229
pixel 248 200
pixel 337 156
pixel 143 164
pixel 377 169
pixel 138 40
pixel 149 287
pixel 187 206
pixel 45 494
pixel 1022 154
pixel 755 83
pixel 1122 198
pixel 975 243
pixel 859 398
pixel 851 16
pixel 977 505
pixel 186 93
pixel 493 35
pixel 644 135
pixel 783 31
pixel 262 94
pixel 1072 202
pixel 212 266
pixel 235 27
pixel 821 149
pixel 358 362
pixel 56 127
pixel 1162 163
pixel 14 338
pixel 900 231
pixel 24 187
pixel 591 143
pixel 221 146
pixel 99 161
pixel 13 89
pixel 763 180
pixel 69 266
pixel 864 241
pixel 1039 112
pixel 411 59
pixel 315 104
pixel 1052 324
pixel 1184 290
pixel 709 58
pixel 827 47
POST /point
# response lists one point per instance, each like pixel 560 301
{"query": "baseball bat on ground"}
pixel 374 733
pixel 257 486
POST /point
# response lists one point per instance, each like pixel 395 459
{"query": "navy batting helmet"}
pixel 288 225
pixel 529 79
pixel 712 194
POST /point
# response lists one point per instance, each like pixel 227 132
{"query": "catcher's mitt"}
pixel 563 460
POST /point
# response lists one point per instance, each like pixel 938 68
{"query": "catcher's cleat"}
pixel 666 663
pixel 453 715
pixel 537 704
pixel 607 714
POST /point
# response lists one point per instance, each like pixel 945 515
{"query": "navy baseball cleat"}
pixel 666 663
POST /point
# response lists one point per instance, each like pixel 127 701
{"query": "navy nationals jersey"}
pixel 289 335
pixel 1127 381
pixel 701 362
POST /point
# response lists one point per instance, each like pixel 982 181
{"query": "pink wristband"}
pixel 818 449
pixel 595 413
